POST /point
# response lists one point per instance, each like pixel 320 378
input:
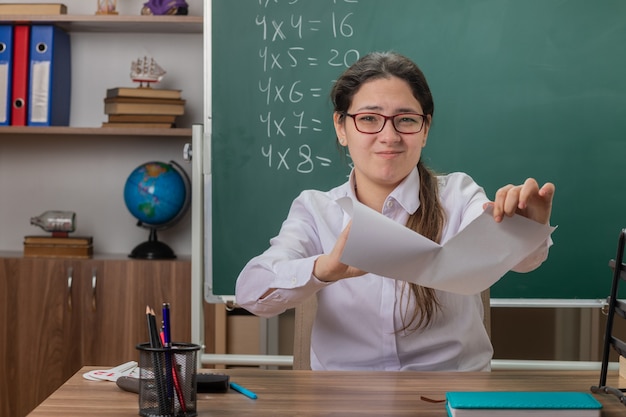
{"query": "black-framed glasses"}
pixel 375 122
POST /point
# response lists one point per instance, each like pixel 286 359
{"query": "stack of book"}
pixel 142 107
pixel 33 8
pixel 58 247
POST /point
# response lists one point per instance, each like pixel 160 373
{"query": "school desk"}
pixel 315 393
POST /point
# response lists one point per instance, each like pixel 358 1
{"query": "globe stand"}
pixel 152 249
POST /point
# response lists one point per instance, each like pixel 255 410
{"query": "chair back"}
pixel 303 324
pixel 615 307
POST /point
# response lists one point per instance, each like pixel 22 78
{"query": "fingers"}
pixel 341 240
pixel 345 271
pixel 329 267
pixel 527 199
pixel 505 202
pixel 547 191
pixel 340 244
pixel 529 189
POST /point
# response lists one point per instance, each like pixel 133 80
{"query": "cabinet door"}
pixel 44 333
pixel 124 288
pixel 7 282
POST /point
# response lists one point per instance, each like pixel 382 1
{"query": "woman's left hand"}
pixel 527 200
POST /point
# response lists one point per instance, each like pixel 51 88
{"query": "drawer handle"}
pixel 70 273
pixel 94 281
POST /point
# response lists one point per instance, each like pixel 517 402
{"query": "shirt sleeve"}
pixel 466 200
pixel 285 268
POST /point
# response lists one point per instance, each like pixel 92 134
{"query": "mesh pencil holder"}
pixel 167 385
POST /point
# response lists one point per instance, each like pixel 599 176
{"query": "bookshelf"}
pixel 136 24
pixel 58 166
pixel 93 131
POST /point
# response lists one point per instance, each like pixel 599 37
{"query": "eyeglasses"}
pixel 375 122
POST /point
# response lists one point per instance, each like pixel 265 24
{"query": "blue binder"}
pixel 50 77
pixel 6 69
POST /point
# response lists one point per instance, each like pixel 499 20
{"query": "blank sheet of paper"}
pixel 469 263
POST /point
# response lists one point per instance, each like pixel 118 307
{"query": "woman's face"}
pixel 382 159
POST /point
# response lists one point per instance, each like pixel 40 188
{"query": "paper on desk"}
pixel 469 263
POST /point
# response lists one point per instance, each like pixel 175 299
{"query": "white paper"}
pixel 469 263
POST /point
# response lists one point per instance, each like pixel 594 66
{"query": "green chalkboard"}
pixel 521 87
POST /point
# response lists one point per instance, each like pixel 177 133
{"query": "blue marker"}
pixel 167 331
pixel 243 390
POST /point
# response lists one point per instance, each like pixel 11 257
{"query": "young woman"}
pixel 383 110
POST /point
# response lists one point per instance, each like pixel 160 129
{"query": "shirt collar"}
pixel 406 193
pixel 352 188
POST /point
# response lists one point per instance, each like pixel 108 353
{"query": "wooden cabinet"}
pixel 8 372
pixel 44 329
pixel 59 315
pixel 115 306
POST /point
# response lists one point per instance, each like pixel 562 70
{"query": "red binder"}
pixel 21 63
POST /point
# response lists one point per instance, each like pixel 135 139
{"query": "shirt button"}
pixel 389 204
pixel 294 280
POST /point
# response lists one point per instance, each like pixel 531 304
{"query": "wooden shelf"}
pixel 93 131
pixel 96 256
pixel 115 23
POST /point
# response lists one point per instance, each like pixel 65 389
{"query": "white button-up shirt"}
pixel 358 319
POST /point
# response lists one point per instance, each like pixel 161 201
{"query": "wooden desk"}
pixel 308 393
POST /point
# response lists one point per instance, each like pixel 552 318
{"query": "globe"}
pixel 157 194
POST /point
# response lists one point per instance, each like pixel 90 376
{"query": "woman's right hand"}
pixel 328 267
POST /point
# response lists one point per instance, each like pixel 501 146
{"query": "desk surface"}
pixel 308 393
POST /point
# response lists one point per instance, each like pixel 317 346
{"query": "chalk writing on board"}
pixel 305 161
pixel 293 116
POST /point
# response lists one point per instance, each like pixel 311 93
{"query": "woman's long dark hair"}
pixel 429 218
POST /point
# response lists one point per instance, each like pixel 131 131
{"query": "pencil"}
pixel 152 333
pixel 156 362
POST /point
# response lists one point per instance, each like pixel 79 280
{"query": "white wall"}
pixel 87 174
